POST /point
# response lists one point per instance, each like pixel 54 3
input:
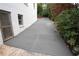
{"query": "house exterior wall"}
pixel 29 16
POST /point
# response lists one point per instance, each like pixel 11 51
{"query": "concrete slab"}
pixel 41 37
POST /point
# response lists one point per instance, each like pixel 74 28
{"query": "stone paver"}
pixel 41 37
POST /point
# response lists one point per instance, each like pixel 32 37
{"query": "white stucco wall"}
pixel 29 15
pixel 1 41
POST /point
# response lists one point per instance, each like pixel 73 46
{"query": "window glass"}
pixel 20 19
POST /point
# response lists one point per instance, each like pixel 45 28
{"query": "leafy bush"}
pixel 57 8
pixel 68 26
pixel 42 11
pixel 39 9
pixel 45 12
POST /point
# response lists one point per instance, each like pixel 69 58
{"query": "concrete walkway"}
pixel 41 37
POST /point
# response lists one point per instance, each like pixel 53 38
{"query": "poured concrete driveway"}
pixel 41 37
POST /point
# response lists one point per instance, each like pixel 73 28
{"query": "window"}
pixel 26 4
pixel 34 5
pixel 20 19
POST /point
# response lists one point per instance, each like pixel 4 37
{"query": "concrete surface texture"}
pixel 41 37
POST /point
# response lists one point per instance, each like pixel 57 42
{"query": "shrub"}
pixel 57 8
pixel 42 11
pixel 45 12
pixel 68 26
pixel 39 9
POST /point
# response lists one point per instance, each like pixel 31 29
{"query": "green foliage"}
pixel 45 12
pixel 42 11
pixel 50 14
pixel 39 9
pixel 57 8
pixel 68 25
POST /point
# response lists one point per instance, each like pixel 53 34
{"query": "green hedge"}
pixel 68 26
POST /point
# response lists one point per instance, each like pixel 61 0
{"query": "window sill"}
pixel 21 26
